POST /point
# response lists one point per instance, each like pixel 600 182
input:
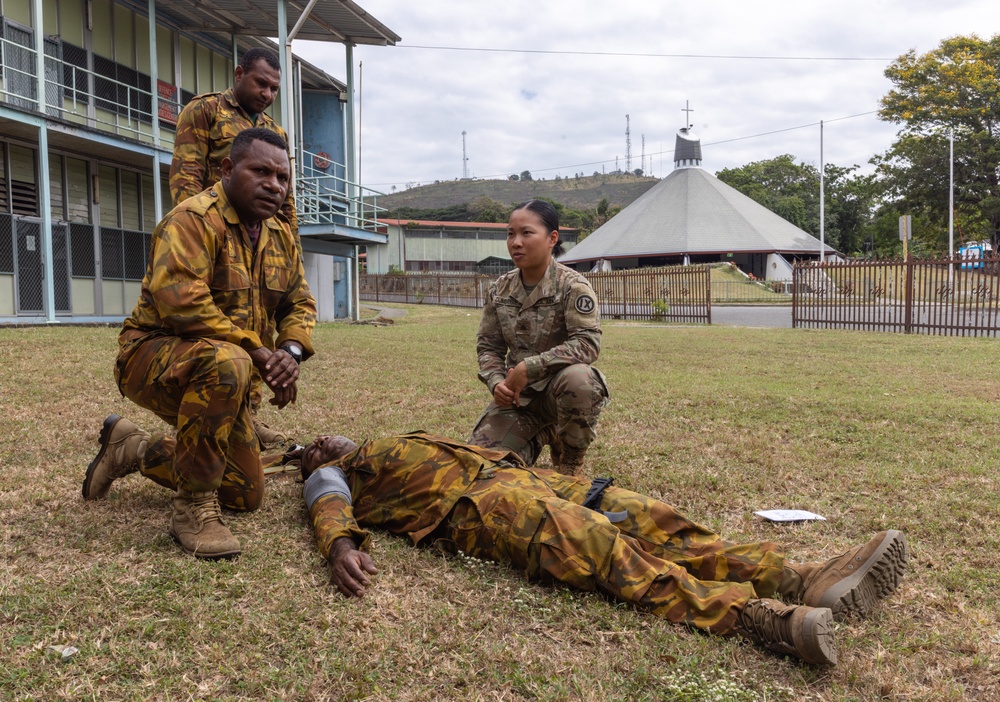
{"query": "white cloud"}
pixel 565 113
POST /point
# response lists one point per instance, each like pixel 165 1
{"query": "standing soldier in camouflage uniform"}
pixel 488 504
pixel 205 131
pixel 540 333
pixel 224 276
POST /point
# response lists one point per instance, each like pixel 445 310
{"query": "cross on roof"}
pixel 687 110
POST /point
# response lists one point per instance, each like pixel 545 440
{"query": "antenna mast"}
pixel 628 145
pixel 465 159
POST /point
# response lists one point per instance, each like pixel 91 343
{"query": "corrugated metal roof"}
pixel 693 212
pixel 330 20
pixel 443 225
pixel 455 225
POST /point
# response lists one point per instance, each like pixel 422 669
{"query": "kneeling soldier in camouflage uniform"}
pixel 224 275
pixel 490 505
pixel 540 333
pixel 204 136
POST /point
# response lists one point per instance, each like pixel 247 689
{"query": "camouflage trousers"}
pixel 571 402
pixel 656 558
pixel 201 387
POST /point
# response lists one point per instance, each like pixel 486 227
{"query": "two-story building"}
pixel 86 136
pixel 428 246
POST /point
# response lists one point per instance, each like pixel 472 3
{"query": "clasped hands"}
pixel 507 392
pixel 280 371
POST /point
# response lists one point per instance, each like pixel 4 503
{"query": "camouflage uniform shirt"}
pixel 555 326
pixel 206 128
pixel 405 484
pixel 204 280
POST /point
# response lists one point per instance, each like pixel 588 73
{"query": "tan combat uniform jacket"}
pixel 206 128
pixel 203 280
pixel 404 484
pixel 556 326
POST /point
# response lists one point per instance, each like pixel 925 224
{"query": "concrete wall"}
pixel 6 296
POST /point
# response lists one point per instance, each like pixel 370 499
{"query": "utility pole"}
pixel 465 159
pixel 628 145
pixel 643 154
pixel 822 199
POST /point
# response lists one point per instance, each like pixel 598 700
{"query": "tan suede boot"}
pixel 853 582
pixel 571 461
pixel 196 524
pixel 547 436
pixel 123 445
pixel 267 437
pixel 795 630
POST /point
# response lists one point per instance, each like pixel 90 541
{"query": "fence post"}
pixel 708 293
pixel 378 284
pixel 908 311
pixel 795 297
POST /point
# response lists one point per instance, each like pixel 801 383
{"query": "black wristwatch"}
pixel 293 350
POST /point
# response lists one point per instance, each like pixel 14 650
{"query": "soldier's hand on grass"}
pixel 349 568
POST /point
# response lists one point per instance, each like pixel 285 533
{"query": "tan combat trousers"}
pixel 200 387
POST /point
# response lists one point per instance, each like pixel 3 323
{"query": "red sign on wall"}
pixel 169 109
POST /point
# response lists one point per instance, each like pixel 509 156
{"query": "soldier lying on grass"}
pixel 490 505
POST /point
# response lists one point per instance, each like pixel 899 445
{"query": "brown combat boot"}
pixel 123 445
pixel 196 525
pixel 267 437
pixel 795 630
pixel 854 582
pixel 547 436
pixel 571 461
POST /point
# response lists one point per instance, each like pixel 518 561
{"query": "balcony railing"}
pixel 325 196
pixel 93 99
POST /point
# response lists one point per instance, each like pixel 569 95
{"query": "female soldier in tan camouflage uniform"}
pixel 538 337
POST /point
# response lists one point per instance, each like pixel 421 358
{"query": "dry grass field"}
pixel 872 431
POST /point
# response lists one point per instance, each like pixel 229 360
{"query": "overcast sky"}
pixel 564 113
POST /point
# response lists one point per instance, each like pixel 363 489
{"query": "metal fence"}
pixel 676 294
pixel 948 296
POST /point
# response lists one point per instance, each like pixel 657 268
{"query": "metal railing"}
pixel 79 95
pixel 674 294
pixel 325 196
pixel 946 296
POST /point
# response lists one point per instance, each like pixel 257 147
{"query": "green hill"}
pixel 581 194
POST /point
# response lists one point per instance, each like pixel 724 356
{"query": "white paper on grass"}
pixel 789 515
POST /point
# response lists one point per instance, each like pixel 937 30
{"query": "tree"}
pixel 791 190
pixel 486 209
pixel 514 176
pixel 525 175
pixel 788 189
pixel 953 87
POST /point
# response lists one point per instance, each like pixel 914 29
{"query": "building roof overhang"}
pixel 341 21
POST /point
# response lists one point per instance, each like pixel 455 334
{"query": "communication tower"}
pixel 465 159
pixel 628 145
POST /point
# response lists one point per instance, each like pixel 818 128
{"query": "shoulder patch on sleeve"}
pixel 585 304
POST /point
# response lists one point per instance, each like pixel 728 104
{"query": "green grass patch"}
pixel 872 431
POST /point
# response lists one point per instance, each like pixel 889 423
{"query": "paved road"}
pixel 752 316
